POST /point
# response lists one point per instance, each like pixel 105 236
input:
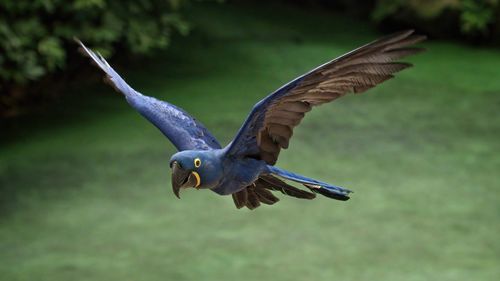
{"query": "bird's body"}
pixel 240 173
pixel 245 167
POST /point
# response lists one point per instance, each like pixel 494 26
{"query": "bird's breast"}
pixel 238 175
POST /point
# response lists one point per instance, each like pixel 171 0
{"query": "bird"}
pixel 245 168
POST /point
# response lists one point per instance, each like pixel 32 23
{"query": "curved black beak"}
pixel 182 178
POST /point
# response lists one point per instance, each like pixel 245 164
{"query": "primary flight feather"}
pixel 245 168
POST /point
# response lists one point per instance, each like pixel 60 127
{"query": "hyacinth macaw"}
pixel 245 167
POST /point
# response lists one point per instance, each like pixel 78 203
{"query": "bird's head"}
pixel 193 168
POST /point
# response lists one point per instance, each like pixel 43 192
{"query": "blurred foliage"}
pixel 423 8
pixel 478 15
pixel 358 8
pixel 84 190
pixel 475 21
pixel 473 17
pixel 36 35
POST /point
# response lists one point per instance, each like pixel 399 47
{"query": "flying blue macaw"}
pixel 245 167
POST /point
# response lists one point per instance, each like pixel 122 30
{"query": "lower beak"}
pixel 183 179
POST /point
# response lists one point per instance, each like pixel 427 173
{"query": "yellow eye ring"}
pixel 197 162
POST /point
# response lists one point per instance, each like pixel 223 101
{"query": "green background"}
pixel 85 187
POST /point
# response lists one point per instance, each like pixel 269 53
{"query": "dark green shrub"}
pixel 35 35
pixel 471 18
pixel 477 16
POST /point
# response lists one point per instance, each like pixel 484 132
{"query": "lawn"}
pixel 85 187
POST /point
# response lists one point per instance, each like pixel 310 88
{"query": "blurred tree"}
pixel 476 19
pixel 35 35
pixel 358 8
pixel 477 16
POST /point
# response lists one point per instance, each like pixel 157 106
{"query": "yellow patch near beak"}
pixel 198 180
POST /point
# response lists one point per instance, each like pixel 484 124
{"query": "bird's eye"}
pixel 197 162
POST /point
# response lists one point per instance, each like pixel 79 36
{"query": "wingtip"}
pixel 402 33
pixel 82 49
pixel 81 46
pixel 418 38
pixel 78 41
pixel 408 32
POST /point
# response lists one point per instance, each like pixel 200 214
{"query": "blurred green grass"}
pixel 86 189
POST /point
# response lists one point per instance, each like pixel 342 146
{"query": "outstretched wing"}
pixel 184 131
pixel 270 124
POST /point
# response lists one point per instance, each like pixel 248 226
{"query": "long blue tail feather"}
pixel 322 188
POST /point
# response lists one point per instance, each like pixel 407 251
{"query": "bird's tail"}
pixel 322 188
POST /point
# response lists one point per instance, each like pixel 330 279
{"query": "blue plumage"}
pixel 245 168
pixel 326 189
pixel 178 126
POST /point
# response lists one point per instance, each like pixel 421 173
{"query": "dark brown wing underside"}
pixel 355 72
pixel 260 192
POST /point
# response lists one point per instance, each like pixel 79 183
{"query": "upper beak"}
pixel 182 178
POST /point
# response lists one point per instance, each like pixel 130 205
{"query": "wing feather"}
pixel 184 131
pixel 270 125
